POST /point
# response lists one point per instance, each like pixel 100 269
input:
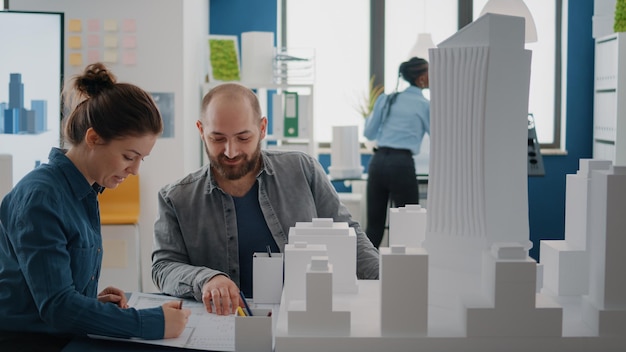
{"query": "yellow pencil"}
pixel 240 312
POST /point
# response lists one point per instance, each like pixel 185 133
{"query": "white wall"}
pixel 171 55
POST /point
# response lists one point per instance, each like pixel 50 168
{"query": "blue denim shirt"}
pixel 406 124
pixel 195 234
pixel 50 257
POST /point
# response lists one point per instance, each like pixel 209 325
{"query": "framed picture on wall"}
pixel 31 72
pixel 223 58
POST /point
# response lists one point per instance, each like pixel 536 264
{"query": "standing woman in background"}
pixel 50 238
pixel 398 124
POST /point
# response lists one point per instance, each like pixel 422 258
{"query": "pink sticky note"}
pixel 129 42
pixel 129 58
pixel 129 25
pixel 93 25
pixel 93 56
pixel 93 40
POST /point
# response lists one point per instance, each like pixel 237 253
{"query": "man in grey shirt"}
pixel 211 221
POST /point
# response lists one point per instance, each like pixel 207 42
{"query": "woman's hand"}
pixel 113 295
pixel 175 319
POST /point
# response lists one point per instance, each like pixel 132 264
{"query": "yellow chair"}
pixel 120 205
pixel 119 216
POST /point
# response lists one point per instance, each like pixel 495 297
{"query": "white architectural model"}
pixel 403 291
pixel 513 308
pixel 566 262
pixel 472 287
pixel 297 257
pixel 605 306
pixel 340 240
pixel 407 225
pixel 318 317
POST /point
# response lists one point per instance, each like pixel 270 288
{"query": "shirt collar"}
pixel 77 181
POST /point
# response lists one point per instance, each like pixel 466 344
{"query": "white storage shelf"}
pixel 609 127
pixel 305 142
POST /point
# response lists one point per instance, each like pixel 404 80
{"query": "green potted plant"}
pixel 620 16
pixel 366 102
pixel 365 105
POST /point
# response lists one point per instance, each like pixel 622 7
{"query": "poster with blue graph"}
pixel 31 71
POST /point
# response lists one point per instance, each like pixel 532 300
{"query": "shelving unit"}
pixel 266 92
pixel 609 115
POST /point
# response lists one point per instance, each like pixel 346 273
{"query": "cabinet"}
pixel 274 106
pixel 609 112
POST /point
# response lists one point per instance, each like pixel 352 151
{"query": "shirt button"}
pixel 92 278
pixel 98 250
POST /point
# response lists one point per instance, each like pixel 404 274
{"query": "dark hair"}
pixel 114 110
pixel 412 69
pixel 233 91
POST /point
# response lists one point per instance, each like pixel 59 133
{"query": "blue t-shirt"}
pixel 50 258
pixel 253 235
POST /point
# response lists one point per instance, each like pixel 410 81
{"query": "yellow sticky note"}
pixel 74 26
pixel 74 42
pixel 110 25
pixel 110 41
pixel 110 56
pixel 76 59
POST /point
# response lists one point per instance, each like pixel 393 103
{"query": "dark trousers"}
pixel 391 176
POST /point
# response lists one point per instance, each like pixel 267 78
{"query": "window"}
pixel 545 79
pixel 339 33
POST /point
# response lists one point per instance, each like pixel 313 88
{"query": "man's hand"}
pixel 222 293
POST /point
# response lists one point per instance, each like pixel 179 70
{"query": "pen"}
pixel 269 251
pixel 180 304
pixel 245 303
pixel 240 312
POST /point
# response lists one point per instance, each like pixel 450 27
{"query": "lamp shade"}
pixel 514 8
pixel 423 43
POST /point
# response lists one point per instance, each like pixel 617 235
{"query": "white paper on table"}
pixel 204 331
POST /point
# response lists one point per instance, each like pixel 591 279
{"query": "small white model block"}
pixel 607 283
pixel 297 257
pixel 566 270
pixel 577 202
pixel 267 277
pixel 514 308
pixel 407 225
pixel 566 262
pixel 318 317
pixel 340 241
pixel 403 291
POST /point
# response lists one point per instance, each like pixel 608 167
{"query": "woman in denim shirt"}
pixel 50 239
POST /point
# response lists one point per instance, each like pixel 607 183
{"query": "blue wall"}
pixel 546 195
pixel 232 17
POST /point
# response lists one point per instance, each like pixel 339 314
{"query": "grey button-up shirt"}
pixel 195 234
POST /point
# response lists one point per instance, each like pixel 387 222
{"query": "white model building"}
pixel 481 285
pixel 407 225
pixel 297 257
pixel 604 309
pixel 403 291
pixel 512 308
pixel 477 191
pixel 318 318
pixel 566 262
pixel 340 241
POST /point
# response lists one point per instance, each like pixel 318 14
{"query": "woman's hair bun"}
pixel 95 79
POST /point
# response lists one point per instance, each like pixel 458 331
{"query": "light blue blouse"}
pixel 405 125
pixel 50 258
